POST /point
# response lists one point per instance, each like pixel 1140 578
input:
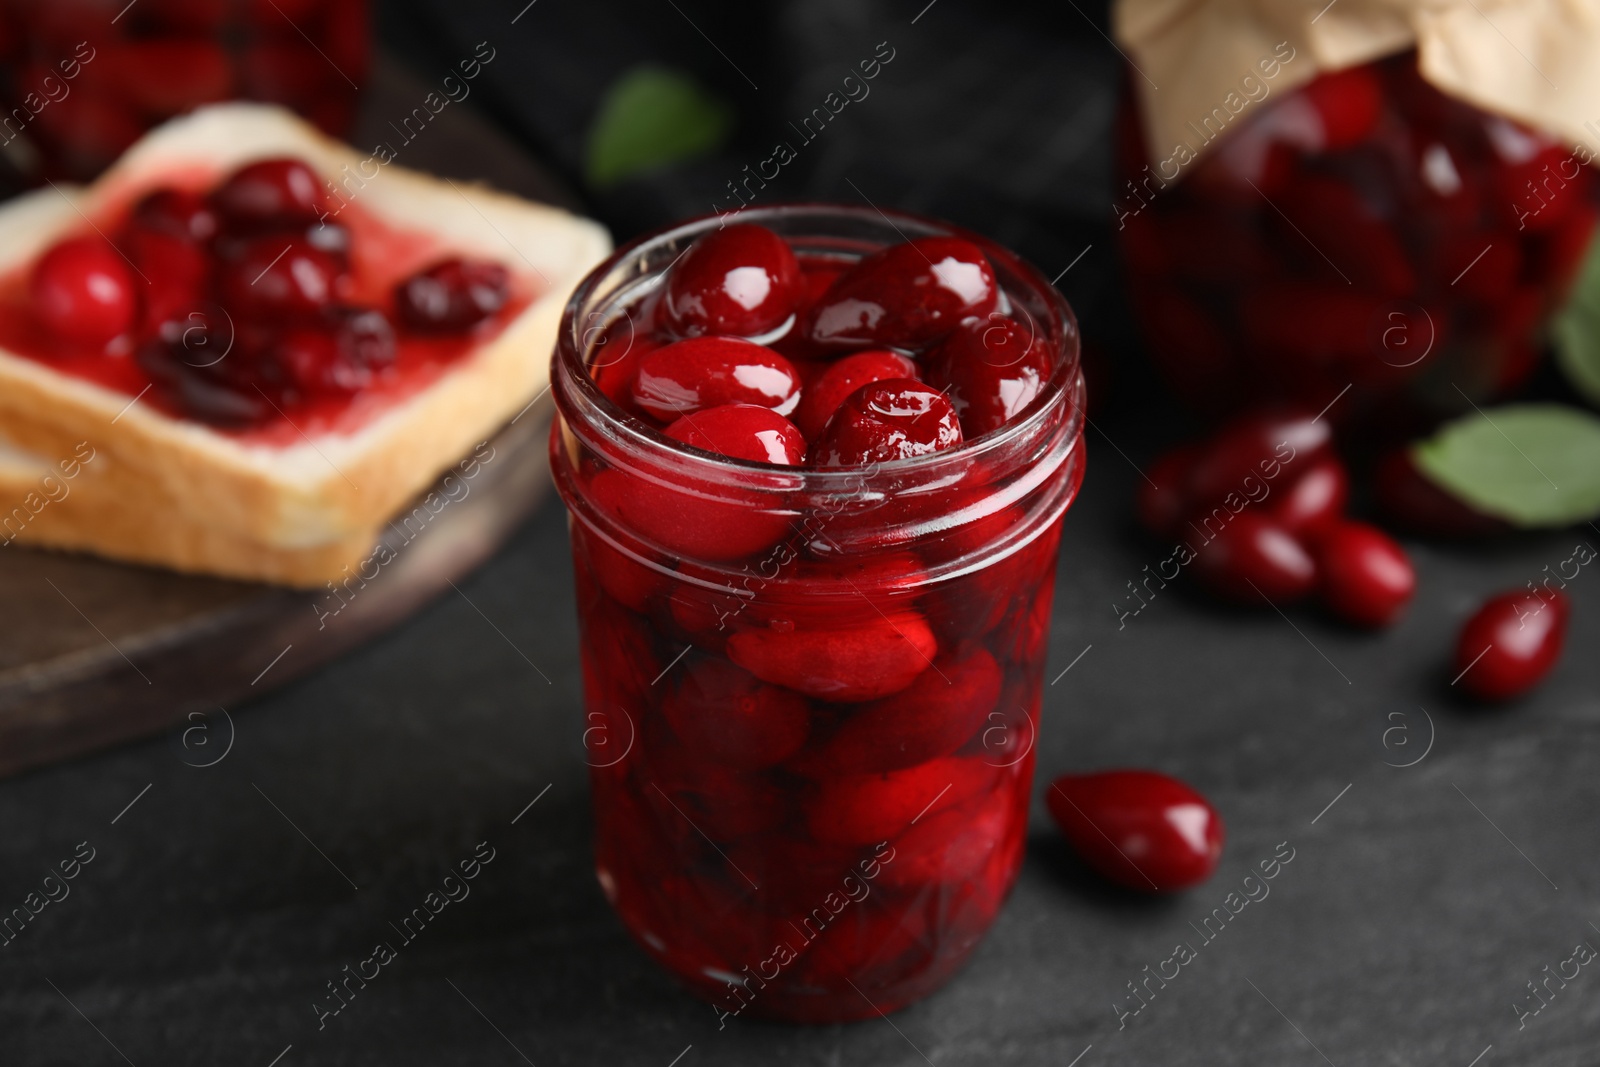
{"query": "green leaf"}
pixel 1534 465
pixel 1577 329
pixel 650 117
pixel 1577 338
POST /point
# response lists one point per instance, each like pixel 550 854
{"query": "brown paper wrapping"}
pixel 1536 61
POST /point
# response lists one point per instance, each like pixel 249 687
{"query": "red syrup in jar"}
pixel 811 694
pixel 378 255
pixel 1364 230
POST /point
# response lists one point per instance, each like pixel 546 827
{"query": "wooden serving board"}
pixel 94 652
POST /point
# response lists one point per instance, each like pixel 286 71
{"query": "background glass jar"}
pixel 83 79
pixel 1363 230
pixel 811 695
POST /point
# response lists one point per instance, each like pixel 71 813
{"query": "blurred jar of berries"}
pixel 1364 229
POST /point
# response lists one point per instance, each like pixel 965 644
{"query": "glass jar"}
pixel 84 79
pixel 811 695
pixel 1364 230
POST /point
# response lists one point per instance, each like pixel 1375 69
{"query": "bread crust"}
pixel 179 493
pixel 113 525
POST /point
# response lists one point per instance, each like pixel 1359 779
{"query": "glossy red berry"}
pixel 332 238
pixel 281 275
pixel 816 278
pixel 697 797
pixel 1347 102
pixel 888 420
pixel 990 369
pixel 822 397
pixel 741 280
pixel 614 362
pixel 1332 214
pixel 1313 498
pixel 864 809
pixel 933 717
pixel 1252 557
pixel 681 523
pixel 1366 578
pixel 906 296
pixel 271 192
pixel 212 373
pixel 831 594
pixel 365 335
pixel 1162 497
pixel 178 213
pixel 707 520
pixel 452 296
pixel 708 372
pixel 1256 452
pixel 1511 643
pixel 1140 829
pixel 742 431
pixel 955 848
pixel 1527 156
pixel 84 291
pixel 726 714
pixel 337 358
pixel 873 657
pixel 626 573
pixel 178 270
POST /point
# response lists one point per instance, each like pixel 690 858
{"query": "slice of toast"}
pixel 72 505
pixel 112 517
pixel 225 503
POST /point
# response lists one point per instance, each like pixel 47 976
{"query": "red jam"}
pixel 231 303
pixel 1364 230
pixel 813 672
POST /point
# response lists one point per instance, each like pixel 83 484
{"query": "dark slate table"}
pixel 1419 902
pixel 222 899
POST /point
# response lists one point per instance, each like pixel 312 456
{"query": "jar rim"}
pixel 572 382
